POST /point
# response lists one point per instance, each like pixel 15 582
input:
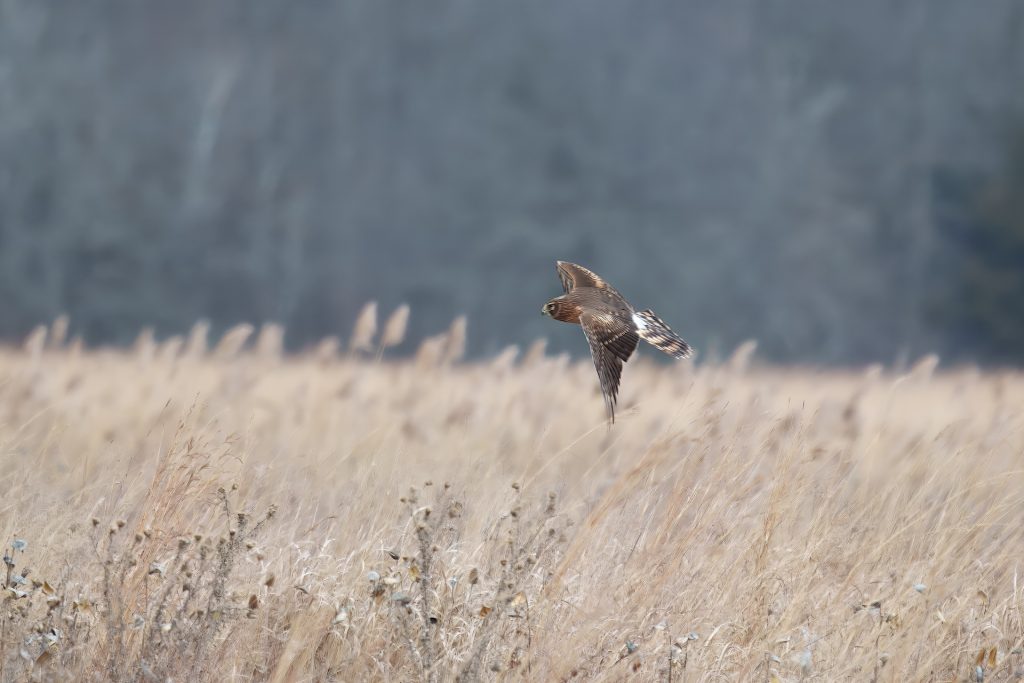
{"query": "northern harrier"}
pixel 612 327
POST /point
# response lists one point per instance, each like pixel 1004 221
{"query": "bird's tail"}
pixel 654 331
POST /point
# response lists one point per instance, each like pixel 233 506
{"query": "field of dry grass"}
pixel 177 513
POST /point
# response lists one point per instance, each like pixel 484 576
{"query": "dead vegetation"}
pixel 174 512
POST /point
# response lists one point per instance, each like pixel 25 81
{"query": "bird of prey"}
pixel 612 326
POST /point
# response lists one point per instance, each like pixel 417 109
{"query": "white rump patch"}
pixel 640 323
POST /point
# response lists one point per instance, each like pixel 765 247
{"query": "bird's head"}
pixel 550 308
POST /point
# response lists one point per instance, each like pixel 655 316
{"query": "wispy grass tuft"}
pixel 394 329
pixel 365 329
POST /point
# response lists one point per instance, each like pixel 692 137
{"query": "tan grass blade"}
pixel 506 360
pixel 535 353
pixel 394 329
pixel 231 344
pixel 197 344
pixel 36 342
pixel 170 349
pixel 740 359
pixel 327 350
pixel 270 341
pixel 431 352
pixel 59 332
pixel 76 347
pixel 456 347
pixel 924 368
pixel 365 329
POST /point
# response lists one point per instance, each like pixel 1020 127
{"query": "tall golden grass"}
pixel 173 513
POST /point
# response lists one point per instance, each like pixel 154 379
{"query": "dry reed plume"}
pixel 365 329
pixel 171 514
pixel 394 329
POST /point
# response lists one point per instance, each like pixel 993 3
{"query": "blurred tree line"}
pixel 821 177
pixel 979 295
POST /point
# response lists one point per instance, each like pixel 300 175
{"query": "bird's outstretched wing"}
pixel 573 276
pixel 612 341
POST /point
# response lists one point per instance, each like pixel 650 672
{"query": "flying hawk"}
pixel 612 326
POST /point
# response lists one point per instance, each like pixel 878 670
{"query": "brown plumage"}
pixel 613 328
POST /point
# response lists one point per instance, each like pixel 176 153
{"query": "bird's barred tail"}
pixel 654 331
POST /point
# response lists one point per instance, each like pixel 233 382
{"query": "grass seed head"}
pixel 394 329
pixel 365 328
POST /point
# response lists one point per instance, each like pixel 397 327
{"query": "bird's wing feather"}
pixel 654 330
pixel 573 276
pixel 612 341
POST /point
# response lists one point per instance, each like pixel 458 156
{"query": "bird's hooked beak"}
pixel 544 310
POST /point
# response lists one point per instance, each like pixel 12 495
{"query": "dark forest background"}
pixel 842 181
